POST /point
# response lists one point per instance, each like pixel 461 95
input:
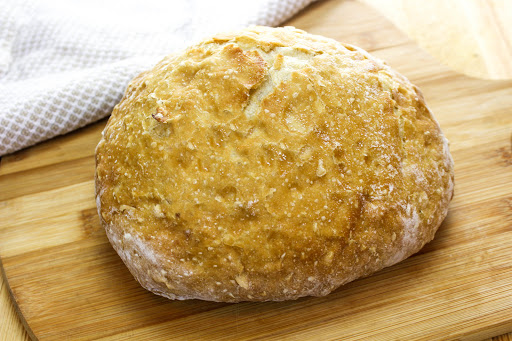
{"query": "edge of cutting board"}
pixel 15 303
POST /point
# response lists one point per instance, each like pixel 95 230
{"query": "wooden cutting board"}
pixel 68 283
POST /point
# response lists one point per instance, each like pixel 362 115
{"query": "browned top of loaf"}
pixel 271 164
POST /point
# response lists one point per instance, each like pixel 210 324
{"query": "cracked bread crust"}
pixel 269 164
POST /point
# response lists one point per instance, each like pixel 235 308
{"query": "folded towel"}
pixel 65 64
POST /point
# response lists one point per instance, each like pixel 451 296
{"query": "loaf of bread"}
pixel 269 164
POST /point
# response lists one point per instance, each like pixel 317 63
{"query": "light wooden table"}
pixel 473 37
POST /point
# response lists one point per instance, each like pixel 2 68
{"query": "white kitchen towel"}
pixel 64 64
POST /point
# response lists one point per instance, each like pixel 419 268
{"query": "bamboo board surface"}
pixel 69 283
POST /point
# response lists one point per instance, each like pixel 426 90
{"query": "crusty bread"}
pixel 269 164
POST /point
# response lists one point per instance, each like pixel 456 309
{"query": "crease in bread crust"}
pixel 269 164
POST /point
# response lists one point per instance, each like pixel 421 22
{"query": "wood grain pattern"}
pixel 470 36
pixel 69 283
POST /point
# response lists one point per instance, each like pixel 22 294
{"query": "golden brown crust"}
pixel 269 164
